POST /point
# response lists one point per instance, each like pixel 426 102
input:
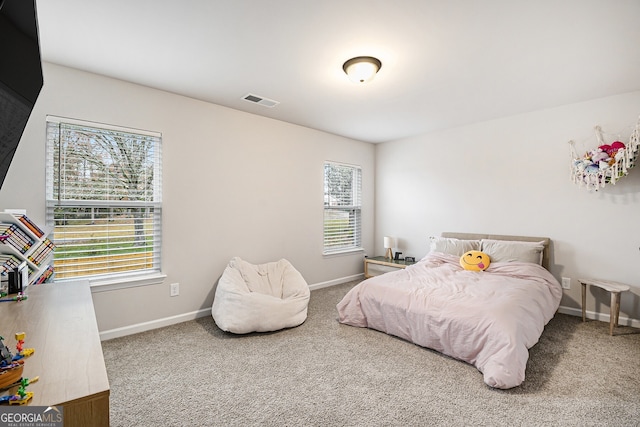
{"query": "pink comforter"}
pixel 489 318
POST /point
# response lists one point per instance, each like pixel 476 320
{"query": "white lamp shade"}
pixel 389 242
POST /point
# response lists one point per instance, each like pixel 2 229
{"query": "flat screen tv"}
pixel 20 74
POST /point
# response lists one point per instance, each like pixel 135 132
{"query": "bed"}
pixel 489 318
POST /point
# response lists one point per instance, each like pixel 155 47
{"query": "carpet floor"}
pixel 323 373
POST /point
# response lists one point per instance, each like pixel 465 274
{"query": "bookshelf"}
pixel 21 240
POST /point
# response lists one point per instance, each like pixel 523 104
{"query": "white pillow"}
pixel 509 251
pixel 452 246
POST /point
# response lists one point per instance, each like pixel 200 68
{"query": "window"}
pixel 103 199
pixel 342 206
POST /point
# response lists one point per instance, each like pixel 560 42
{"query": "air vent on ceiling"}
pixel 265 102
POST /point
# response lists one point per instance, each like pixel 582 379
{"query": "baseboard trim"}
pixel 153 324
pixel 172 320
pixel 335 282
pixel 603 317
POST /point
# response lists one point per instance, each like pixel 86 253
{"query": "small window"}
pixel 103 199
pixel 342 206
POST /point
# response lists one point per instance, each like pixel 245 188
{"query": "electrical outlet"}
pixel 566 283
pixel 175 289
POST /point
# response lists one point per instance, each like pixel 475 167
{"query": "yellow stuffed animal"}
pixel 475 261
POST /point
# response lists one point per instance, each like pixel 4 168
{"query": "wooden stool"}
pixel 614 288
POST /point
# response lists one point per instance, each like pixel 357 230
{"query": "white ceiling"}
pixel 444 63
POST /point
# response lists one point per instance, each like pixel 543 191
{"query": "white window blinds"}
pixel 342 207
pixel 104 198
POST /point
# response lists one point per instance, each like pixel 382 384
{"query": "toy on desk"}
pixel 20 382
pixel 10 374
pixel 20 340
pixel 22 396
pixel 27 352
pixel 11 366
pixel 28 381
pixel 18 399
pixel 19 297
pixel 10 369
pixel 5 354
pixel 22 352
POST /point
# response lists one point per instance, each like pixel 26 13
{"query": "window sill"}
pixel 105 285
pixel 342 253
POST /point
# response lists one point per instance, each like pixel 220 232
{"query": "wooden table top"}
pixel 60 325
pixel 607 285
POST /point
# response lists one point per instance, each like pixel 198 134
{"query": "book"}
pixel 31 225
pixel 42 251
pixel 15 237
pixel 45 276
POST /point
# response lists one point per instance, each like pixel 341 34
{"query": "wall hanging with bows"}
pixel 606 163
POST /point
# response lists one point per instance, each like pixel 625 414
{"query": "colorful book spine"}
pixel 8 263
pixel 31 225
pixel 15 237
pixel 42 252
pixel 45 276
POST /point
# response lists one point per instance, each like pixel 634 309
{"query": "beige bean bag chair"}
pixel 260 298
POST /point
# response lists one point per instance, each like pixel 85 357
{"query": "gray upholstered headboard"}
pixel 546 257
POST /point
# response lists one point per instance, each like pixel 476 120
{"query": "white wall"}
pixel 235 184
pixel 255 187
pixel 511 176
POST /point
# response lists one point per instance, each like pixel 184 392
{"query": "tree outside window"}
pixel 342 207
pixel 103 198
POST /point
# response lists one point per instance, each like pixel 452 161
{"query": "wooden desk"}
pixel 60 324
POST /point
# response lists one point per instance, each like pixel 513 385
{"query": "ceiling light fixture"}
pixel 362 69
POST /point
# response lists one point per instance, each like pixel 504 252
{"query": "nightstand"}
pixel 378 265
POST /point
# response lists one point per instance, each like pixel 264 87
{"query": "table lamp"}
pixel 389 244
